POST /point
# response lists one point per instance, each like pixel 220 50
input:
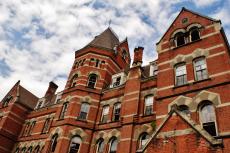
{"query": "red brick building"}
pixel 179 103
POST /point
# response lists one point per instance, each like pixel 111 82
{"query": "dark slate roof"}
pixel 107 39
pixel 145 72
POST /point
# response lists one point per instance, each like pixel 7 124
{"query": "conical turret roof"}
pixel 107 39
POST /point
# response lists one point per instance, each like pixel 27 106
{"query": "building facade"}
pixel 178 103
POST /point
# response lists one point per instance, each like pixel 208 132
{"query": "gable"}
pixel 181 124
pixel 179 22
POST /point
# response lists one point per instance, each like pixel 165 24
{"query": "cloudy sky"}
pixel 38 37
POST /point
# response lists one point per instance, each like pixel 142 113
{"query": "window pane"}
pixel 208 114
pixel 101 145
pixel 113 147
pixel 75 144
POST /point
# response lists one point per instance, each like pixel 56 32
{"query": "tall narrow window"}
pixel 17 150
pixel 105 114
pixel 32 127
pixel 181 74
pixel 73 81
pixel 113 145
pixel 194 34
pixel 40 103
pixel 53 143
pixel 23 150
pixel 148 105
pixel 116 111
pixel 29 149
pixel 208 118
pixel 92 80
pixel 200 69
pixel 124 54
pixel 100 146
pixel 75 144
pixel 46 126
pixel 64 110
pixel 97 62
pixel 179 39
pixel 26 129
pixel 84 111
pixel 37 149
pixel 143 139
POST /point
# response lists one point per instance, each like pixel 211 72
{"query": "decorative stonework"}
pixel 58 131
pixel 144 128
pixel 182 100
pixel 78 131
pixel 114 133
pixel 194 102
pixel 87 99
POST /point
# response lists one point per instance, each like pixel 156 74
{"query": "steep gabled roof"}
pixel 190 122
pixel 107 39
pixel 187 10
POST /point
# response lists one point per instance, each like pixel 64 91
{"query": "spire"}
pixel 107 39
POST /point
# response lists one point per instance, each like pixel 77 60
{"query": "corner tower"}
pixel 95 63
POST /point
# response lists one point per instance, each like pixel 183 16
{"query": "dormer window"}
pixel 40 103
pixel 194 34
pixel 153 69
pixel 179 39
pixel 118 79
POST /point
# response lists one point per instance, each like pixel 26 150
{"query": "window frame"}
pixel 204 104
pixel 103 115
pixel 87 113
pixel 115 113
pixel 46 126
pixel 176 38
pixel 99 142
pixel 77 136
pixel 145 106
pixel 195 71
pixel 112 140
pixel 54 140
pixel 64 110
pixel 140 140
pixel 192 29
pixel 184 76
pixel 89 82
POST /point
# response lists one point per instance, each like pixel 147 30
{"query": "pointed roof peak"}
pixel 107 39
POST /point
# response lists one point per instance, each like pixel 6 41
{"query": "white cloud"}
pixel 38 38
pixel 203 3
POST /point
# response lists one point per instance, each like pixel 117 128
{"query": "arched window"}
pixel 208 118
pixel 17 150
pixel 92 80
pixel 75 144
pixel 194 34
pixel 64 110
pixel 73 81
pixel 184 109
pixel 143 139
pixel 84 111
pixel 23 150
pixel 53 143
pixel 116 112
pixel 179 39
pixel 113 145
pixel 100 146
pixel 29 149
pixel 37 149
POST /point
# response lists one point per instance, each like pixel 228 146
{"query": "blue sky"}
pixel 38 38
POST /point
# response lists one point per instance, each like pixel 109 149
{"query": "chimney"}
pixel 138 53
pixel 51 91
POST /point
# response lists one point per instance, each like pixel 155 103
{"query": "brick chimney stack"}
pixel 51 91
pixel 138 53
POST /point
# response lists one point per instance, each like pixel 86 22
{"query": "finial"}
pixel 110 21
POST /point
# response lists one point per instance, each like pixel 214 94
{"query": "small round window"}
pixel 184 20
